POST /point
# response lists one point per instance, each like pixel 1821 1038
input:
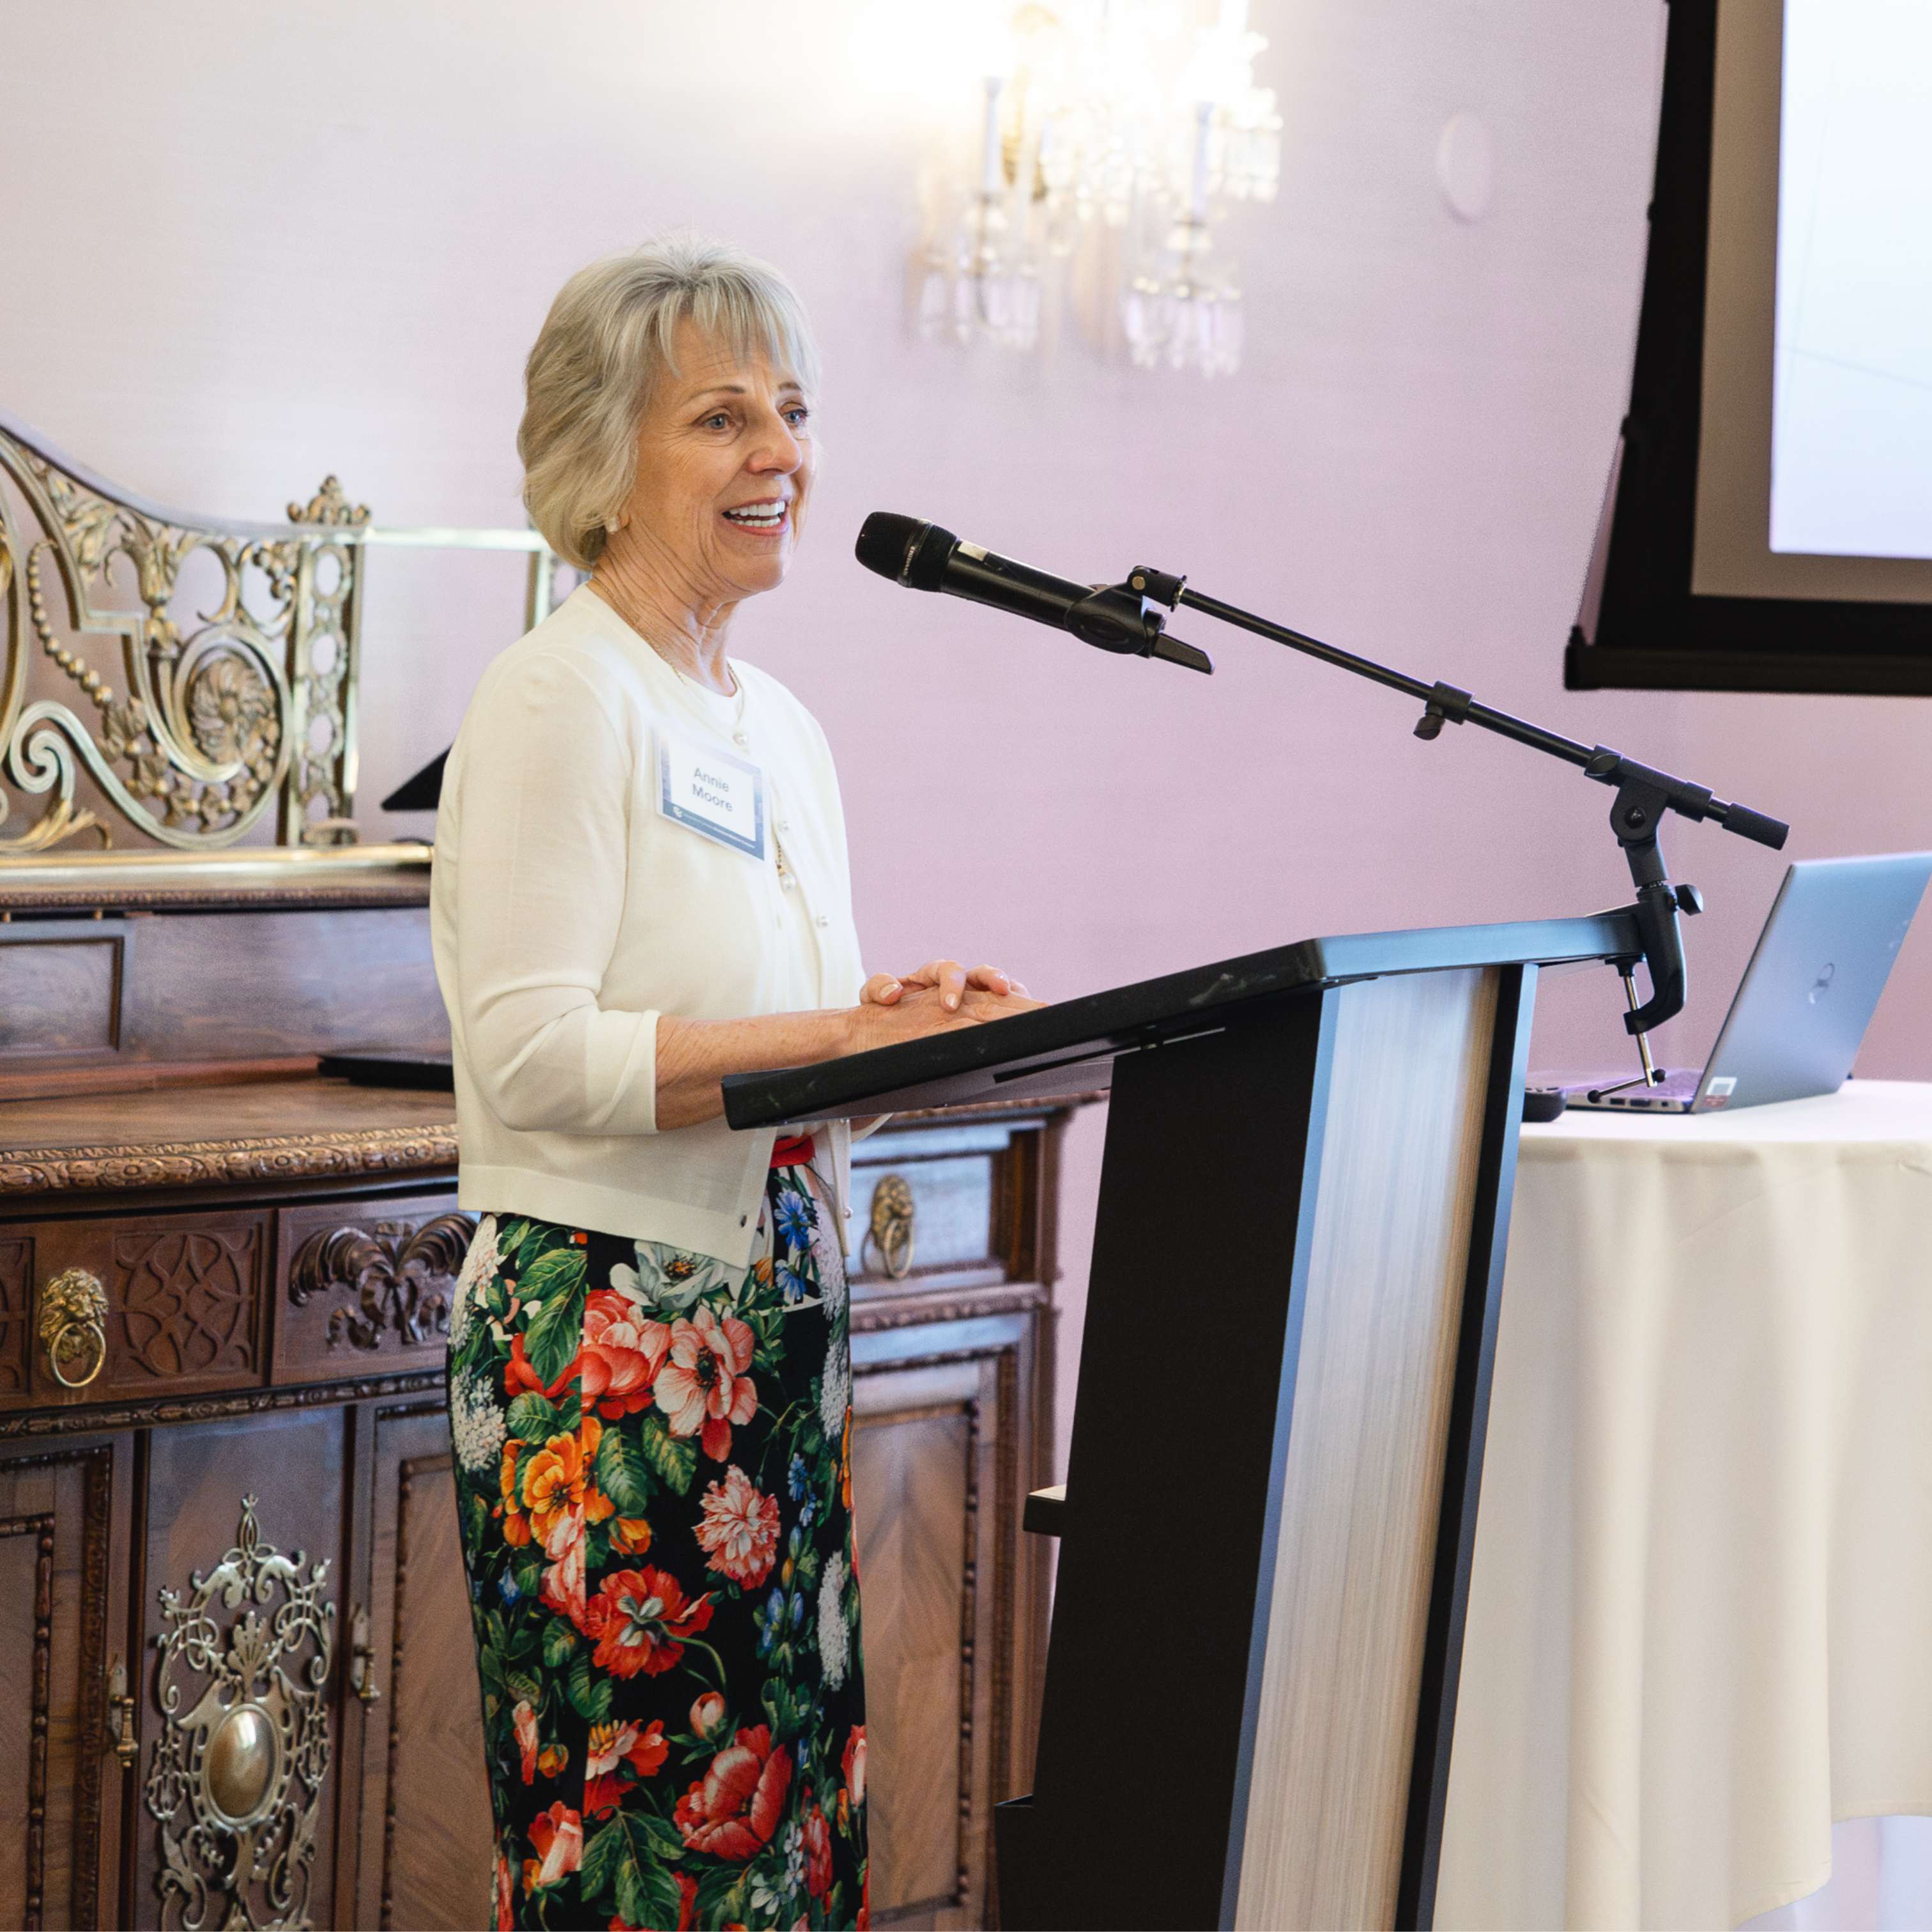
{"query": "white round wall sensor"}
pixel 1465 166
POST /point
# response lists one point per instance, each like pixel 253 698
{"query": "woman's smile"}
pixel 765 521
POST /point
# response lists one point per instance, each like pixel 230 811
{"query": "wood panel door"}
pixel 65 1514
pixel 425 1850
pixel 936 1452
pixel 240 1607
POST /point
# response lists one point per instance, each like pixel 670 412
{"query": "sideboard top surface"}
pixel 225 1133
pixel 246 1132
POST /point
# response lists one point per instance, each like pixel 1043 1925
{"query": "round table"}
pixel 1700 1610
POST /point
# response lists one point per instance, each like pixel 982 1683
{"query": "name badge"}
pixel 713 793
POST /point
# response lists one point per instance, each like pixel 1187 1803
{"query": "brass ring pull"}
pixel 890 1235
pixel 73 1326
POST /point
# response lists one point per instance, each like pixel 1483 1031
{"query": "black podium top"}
pixel 1071 1048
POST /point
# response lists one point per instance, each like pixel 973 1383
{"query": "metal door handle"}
pixel 362 1658
pixel 121 1717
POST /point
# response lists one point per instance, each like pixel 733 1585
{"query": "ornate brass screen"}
pixel 129 701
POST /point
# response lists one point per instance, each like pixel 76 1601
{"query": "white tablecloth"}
pixel 1700 1611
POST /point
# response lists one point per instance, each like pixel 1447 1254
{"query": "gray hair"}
pixel 605 346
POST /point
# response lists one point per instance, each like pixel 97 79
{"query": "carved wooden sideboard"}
pixel 236 1681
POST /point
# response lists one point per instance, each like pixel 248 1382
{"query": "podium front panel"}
pixel 1270 1496
pixel 1360 1494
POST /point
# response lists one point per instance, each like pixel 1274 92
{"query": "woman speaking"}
pixel 641 885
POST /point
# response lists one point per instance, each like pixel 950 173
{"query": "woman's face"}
pixel 724 469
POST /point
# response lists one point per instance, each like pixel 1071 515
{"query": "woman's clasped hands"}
pixel 936 998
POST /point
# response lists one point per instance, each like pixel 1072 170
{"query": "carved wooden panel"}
pixel 60 983
pixel 16 1297
pixel 392 1280
pixel 425 1842
pixel 266 1499
pixel 62 1583
pixel 366 1284
pixel 183 1299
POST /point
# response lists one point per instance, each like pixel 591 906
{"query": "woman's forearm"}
pixel 694 1055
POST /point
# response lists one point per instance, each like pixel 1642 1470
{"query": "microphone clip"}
pixel 1119 617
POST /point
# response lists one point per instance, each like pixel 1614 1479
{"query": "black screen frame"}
pixel 1641 628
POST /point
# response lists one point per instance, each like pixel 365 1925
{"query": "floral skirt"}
pixel 653 1479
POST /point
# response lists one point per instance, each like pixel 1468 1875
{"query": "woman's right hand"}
pixel 918 1011
pixel 947 977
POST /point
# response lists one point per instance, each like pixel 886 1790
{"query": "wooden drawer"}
pixel 364 1286
pixel 952 1190
pixel 183 1306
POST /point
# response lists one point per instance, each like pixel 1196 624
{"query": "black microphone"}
pixel 922 557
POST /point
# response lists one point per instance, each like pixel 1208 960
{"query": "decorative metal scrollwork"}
pixel 890 1233
pixel 212 725
pixel 236 1775
pixel 401 1278
pixel 73 1326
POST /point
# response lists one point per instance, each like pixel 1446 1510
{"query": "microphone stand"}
pixel 1643 794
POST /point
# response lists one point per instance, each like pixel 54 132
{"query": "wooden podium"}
pixel 1270 1497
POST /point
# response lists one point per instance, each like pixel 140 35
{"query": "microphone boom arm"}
pixel 1643 794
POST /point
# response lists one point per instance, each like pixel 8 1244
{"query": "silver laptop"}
pixel 1800 1011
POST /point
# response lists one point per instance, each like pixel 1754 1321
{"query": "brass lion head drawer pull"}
pixel 891 1232
pixel 73 1326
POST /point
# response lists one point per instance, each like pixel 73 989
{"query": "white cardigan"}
pixel 567 913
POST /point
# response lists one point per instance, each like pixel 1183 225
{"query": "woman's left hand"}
pixel 946 977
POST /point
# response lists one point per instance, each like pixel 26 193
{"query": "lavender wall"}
pixel 247 246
